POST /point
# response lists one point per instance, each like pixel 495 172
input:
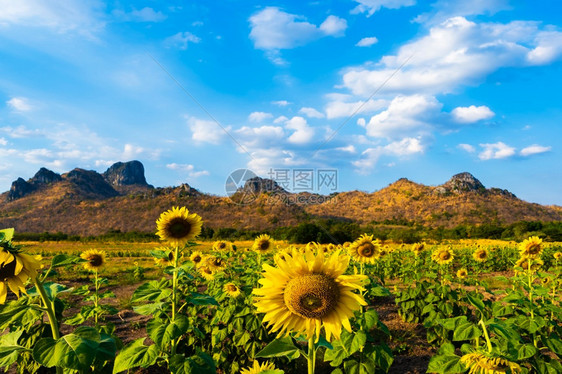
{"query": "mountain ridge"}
pixel 86 202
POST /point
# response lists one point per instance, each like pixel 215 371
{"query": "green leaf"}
pixel 554 343
pixel 466 331
pixel 526 351
pixel 378 290
pixel 152 291
pixel 163 332
pixel 19 313
pixel 62 260
pixel 477 302
pixel 9 348
pixel 201 363
pixel 6 235
pixel 134 355
pixel 51 289
pixel 73 351
pixel 150 309
pixel 447 349
pixel 371 318
pixel 445 364
pixel 201 299
pixel 358 342
pixel 452 323
pixel 159 254
pixel 279 348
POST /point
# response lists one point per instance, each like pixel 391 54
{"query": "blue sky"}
pixel 377 89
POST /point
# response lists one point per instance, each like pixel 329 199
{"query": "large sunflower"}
pixel 256 368
pixel 95 259
pixel 178 227
pixel 485 363
pixel 443 255
pixel 262 243
pixel 480 255
pixel 531 247
pixel 307 292
pixel 365 249
pixel 15 269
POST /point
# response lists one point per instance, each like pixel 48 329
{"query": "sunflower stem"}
pixel 174 296
pixel 486 336
pixel 96 297
pixel 50 309
pixel 311 355
pixel 530 279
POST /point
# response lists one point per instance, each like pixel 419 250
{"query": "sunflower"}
pixel 306 292
pixel 417 248
pixel 15 269
pixel 557 255
pixel 523 262
pixel 95 259
pixel 531 247
pixel 206 273
pixel 364 249
pixel 214 263
pixel 196 257
pixel 480 255
pixel 262 243
pixel 257 368
pixel 443 256
pixel 222 246
pixel 177 226
pixel 231 289
pixel 485 363
pixel 462 273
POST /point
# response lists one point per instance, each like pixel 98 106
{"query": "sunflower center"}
pixel 8 270
pixel 264 246
pixel 170 256
pixel 534 249
pixel 197 259
pixel 95 260
pixel 312 295
pixel 222 245
pixel 444 256
pixel 179 228
pixel 232 288
pixel 366 250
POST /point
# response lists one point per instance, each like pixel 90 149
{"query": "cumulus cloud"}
pixel 303 133
pixel 3 141
pixel 19 104
pixel 371 6
pixel 455 53
pixel 85 17
pixel 471 114
pixel 311 112
pixel 405 116
pixel 367 42
pixel 467 148
pixel 339 108
pixel 401 148
pixel 280 103
pixel 181 40
pixel 444 9
pixel 259 116
pixel 187 168
pixel 497 150
pixel 534 149
pixel 263 136
pixel 274 29
pixel 204 131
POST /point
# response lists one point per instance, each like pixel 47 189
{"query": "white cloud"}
pixel 467 147
pixel 280 119
pixel 263 160
pixel 187 168
pixel 281 102
pixel 371 6
pixel 311 112
pixel 259 116
pixel 3 141
pixel 274 29
pixel 20 132
pixel 367 42
pixel 82 16
pixel 337 109
pixel 303 133
pixel 444 9
pixel 260 137
pixel 534 149
pixel 145 14
pixel 181 40
pixel 19 104
pixel 334 26
pixel 454 53
pixel 471 114
pixel 204 131
pixel 497 150
pixel 401 148
pixel 405 116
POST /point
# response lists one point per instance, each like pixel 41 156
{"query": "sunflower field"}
pixel 270 307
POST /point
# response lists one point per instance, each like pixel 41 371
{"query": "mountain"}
pixel 85 202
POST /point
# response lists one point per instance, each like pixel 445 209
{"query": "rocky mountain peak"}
pixel 125 174
pixel 462 182
pixel 45 176
pixel 259 185
pixel 89 184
